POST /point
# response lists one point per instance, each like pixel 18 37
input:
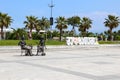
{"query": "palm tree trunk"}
pixel 17 36
pixel 45 34
pixel 60 34
pixel 2 33
pixel 73 29
pixel 84 32
pixel 111 34
pixel 30 34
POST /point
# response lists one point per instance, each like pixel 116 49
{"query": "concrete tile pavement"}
pixel 74 63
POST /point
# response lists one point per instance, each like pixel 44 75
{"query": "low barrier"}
pixel 81 41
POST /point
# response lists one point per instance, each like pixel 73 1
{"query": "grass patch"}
pixel 8 42
pixel 109 42
pixel 30 42
pixel 55 42
pixel 48 42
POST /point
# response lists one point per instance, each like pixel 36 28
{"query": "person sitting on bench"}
pixel 22 43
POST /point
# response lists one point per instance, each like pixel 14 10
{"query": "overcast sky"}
pixel 97 10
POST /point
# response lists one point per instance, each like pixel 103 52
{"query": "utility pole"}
pixel 51 17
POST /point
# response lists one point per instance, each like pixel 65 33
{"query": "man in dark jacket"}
pixel 22 43
pixel 40 47
pixel 42 42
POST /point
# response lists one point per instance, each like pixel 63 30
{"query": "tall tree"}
pixel 61 24
pixel 74 22
pixel 44 24
pixel 19 33
pixel 5 21
pixel 112 22
pixel 31 23
pixel 85 25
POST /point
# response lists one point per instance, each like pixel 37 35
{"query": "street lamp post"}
pixel 51 18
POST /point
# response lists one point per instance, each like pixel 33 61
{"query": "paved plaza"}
pixel 62 63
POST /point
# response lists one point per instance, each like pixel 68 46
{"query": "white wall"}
pixel 81 41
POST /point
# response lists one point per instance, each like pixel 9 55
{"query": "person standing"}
pixel 40 47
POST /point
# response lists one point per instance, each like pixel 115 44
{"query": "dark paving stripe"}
pixel 80 74
pixel 75 73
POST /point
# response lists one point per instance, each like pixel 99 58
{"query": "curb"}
pixel 63 46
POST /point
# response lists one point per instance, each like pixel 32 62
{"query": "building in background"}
pixel 4 32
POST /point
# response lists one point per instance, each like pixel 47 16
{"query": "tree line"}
pixel 62 24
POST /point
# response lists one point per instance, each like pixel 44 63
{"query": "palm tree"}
pixel 31 23
pixel 19 33
pixel 61 24
pixel 5 21
pixel 112 22
pixel 85 25
pixel 74 22
pixel 45 24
